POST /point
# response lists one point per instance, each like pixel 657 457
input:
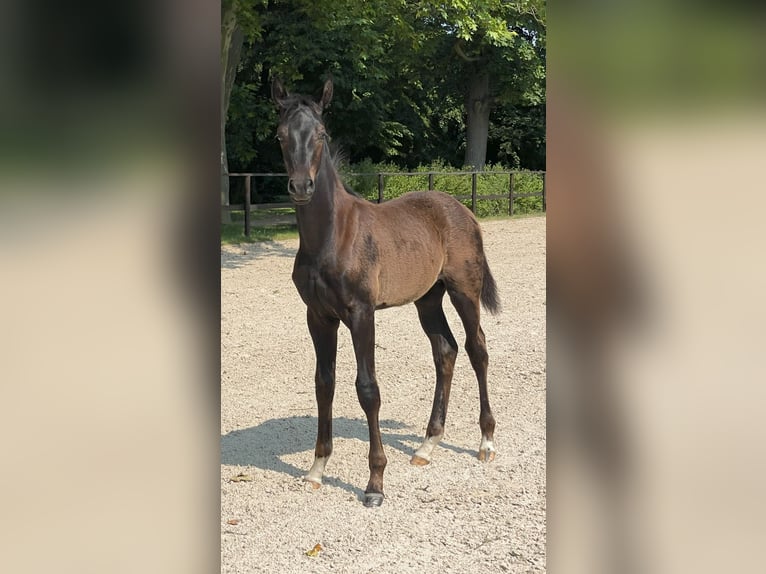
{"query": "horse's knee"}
pixel 324 383
pixel 368 393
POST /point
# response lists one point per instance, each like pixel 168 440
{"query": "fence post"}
pixel 247 206
pixel 510 195
pixel 430 181
pixel 544 202
pixel 474 176
pixel 380 188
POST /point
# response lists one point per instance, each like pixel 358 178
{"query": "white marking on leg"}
pixel 317 470
pixel 485 448
pixel 428 446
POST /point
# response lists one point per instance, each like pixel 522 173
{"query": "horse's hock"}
pixel 268 418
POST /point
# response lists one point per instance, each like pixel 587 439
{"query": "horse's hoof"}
pixel 419 460
pixel 312 484
pixel 372 499
pixel 486 455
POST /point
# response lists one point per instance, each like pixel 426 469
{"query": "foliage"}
pixel 493 55
pixel 527 183
pixel 243 13
pixel 517 136
pixel 399 83
pixel 490 182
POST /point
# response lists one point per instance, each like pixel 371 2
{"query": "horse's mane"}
pixel 338 159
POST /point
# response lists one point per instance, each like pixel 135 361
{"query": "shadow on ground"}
pixel 262 446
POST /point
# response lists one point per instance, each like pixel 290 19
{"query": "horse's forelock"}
pixel 295 102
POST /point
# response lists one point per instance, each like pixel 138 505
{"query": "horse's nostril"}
pixel 302 187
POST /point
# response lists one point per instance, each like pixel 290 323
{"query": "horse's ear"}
pixel 278 92
pixel 326 94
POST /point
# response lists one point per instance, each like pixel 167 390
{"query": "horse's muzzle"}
pixel 300 190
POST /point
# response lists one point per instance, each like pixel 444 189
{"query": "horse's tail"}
pixel 489 296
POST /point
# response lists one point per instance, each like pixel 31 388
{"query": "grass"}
pixel 232 233
pixel 259 214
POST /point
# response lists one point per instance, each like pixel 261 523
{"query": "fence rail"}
pixel 248 207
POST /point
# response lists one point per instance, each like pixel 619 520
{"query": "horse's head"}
pixel 301 135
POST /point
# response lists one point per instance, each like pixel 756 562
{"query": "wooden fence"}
pixel 249 207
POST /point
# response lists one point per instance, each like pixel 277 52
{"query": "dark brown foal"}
pixel 356 257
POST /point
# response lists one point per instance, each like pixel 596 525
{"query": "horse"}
pixel 356 257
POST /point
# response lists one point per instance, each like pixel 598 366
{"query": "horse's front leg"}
pixel 324 333
pixel 362 325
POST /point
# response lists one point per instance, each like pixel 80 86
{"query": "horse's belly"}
pixel 406 281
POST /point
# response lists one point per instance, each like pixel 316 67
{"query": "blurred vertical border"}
pixel 109 298
pixel 656 281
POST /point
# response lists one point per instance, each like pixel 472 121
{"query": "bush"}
pixel 365 183
pixel 527 183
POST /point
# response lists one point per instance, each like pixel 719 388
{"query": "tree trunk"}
pixel 478 106
pixel 231 48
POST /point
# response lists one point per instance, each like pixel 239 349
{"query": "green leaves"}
pixel 400 82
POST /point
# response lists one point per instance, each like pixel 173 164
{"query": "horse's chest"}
pixel 318 288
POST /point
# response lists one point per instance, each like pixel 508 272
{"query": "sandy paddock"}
pixel 454 515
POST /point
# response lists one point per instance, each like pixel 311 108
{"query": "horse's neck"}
pixel 317 220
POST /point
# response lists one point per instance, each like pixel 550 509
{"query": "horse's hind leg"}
pixel 324 333
pixel 475 344
pixel 444 349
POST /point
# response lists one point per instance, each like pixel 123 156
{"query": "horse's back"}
pixel 431 207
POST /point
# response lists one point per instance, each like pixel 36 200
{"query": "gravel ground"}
pixel 454 515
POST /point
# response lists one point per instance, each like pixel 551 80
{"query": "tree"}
pixel 498 51
pixel 414 82
pixel 238 18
